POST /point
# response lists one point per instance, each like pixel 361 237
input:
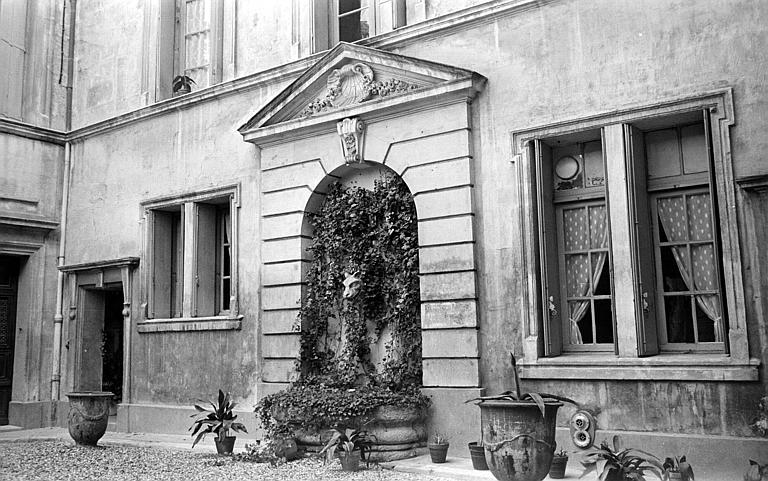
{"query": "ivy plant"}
pixel 373 234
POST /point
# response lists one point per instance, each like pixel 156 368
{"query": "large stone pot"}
pixel 398 433
pixel 519 442
pixel 88 416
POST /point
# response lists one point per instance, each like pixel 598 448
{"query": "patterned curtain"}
pixel 699 273
pixel 584 229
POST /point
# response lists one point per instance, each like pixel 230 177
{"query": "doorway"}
pixel 9 278
pixel 101 342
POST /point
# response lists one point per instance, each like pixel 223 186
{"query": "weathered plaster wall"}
pixel 181 151
pixel 30 185
pixel 30 189
pixel 108 68
pixel 571 59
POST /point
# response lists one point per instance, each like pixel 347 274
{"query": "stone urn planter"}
pixel 519 442
pixel 397 433
pixel 88 416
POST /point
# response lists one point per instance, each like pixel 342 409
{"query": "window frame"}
pixel 326 21
pixel 543 357
pixel 190 205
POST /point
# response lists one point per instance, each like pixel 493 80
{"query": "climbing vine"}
pixel 373 234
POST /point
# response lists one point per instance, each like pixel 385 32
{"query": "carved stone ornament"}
pixel 351 135
pixel 353 84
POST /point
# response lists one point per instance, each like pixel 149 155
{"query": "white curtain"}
pixel 699 272
pixel 584 228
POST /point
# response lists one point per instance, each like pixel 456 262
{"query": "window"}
pixel 351 20
pixel 629 250
pixel 197 42
pixel 192 256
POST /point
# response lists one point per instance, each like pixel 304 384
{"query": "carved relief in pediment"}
pixel 352 84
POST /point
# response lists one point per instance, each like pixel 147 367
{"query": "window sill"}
pixel 216 323
pixel 672 367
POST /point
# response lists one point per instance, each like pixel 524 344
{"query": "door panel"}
pixel 8 291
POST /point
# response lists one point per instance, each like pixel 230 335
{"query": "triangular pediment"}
pixel 350 77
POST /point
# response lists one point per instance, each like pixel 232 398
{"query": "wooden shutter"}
pixel 162 255
pixel 641 243
pixel 550 291
pixel 205 260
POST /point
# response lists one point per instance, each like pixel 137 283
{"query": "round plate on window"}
pixel 567 167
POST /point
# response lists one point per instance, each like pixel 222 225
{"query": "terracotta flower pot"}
pixel 477 453
pixel 351 461
pixel 519 442
pixel 88 416
pixel 226 446
pixel 438 452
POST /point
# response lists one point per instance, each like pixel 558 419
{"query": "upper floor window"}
pixel 191 242
pixel 629 238
pixel 352 20
pixel 197 51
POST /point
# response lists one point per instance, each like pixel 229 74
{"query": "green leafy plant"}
pixel 519 396
pixel 345 441
pixel 620 464
pixel 182 83
pixel 219 420
pixel 678 465
pixel 439 438
pixel 319 402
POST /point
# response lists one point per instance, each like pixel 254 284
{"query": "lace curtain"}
pixel 687 218
pixel 585 229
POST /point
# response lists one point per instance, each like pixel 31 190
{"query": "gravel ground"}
pixel 58 460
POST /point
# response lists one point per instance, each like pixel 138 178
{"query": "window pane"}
pixel 354 26
pixel 663 153
pixel 576 229
pixel 594 169
pixel 704 274
pixel 672 217
pixel 603 285
pixel 603 321
pixel 671 260
pixel 679 319
pixel 699 217
pixel 384 17
pixel 577 275
pixel 704 323
pixel 694 149
pixel 348 5
pixel 598 231
pixel 581 322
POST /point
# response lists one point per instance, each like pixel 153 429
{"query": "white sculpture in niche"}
pixel 351 135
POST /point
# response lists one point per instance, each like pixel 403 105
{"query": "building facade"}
pixel 589 180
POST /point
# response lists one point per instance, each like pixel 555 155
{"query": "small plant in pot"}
pixel 182 84
pixel 438 447
pixel 620 464
pixel 350 445
pixel 677 468
pixel 220 421
pixel 559 462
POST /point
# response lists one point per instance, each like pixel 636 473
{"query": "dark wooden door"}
pixel 9 270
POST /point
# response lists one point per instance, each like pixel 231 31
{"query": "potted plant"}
pixel 677 468
pixel 350 445
pixel 438 447
pixel 756 472
pixel 477 454
pixel 182 84
pixel 519 431
pixel 220 420
pixel 620 464
pixel 559 462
